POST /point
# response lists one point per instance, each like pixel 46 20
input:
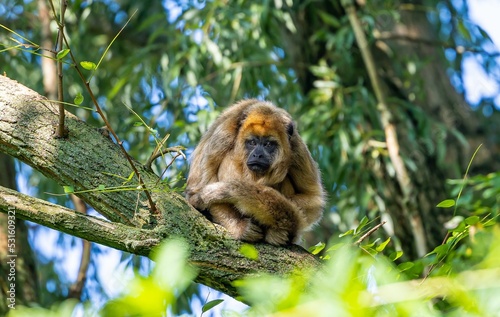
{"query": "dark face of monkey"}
pixel 260 153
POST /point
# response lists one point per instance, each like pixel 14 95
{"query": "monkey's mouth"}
pixel 258 168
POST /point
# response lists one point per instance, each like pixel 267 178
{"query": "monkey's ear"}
pixel 290 129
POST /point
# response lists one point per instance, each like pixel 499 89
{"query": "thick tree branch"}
pixel 87 160
pixel 111 234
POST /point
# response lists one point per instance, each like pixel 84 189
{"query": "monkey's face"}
pixel 261 151
pixel 263 145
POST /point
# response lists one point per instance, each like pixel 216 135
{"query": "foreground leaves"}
pixel 352 283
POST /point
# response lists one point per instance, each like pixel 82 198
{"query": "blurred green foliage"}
pixel 353 282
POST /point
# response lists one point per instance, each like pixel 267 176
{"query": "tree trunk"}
pixel 89 161
pixel 415 39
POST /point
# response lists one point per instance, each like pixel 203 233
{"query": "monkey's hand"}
pixel 195 200
pixel 240 227
pixel 279 236
pixel 214 193
pixel 265 205
pixel 251 233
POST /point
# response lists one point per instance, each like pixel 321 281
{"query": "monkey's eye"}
pixel 251 142
pixel 270 144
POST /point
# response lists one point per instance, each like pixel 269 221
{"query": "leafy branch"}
pixel 103 116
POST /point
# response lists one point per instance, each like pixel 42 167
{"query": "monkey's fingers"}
pixel 242 229
pixel 278 236
pixel 197 202
pixel 252 233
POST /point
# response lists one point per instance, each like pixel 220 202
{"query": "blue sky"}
pixel 485 13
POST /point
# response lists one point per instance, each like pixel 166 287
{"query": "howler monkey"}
pixel 255 176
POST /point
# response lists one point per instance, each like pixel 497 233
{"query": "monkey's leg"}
pixel 240 227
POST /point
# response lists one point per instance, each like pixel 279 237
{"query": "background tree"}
pixel 178 63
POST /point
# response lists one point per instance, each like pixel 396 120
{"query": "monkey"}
pixel 254 175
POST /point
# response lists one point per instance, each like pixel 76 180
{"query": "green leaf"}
pixel 101 187
pixel 464 31
pixel 129 178
pixel 315 249
pixel 336 247
pixel 369 245
pixel 190 14
pixel 491 192
pixel 405 266
pixel 60 55
pixel 214 51
pixel 191 78
pixel 172 254
pixel 329 19
pixel 441 251
pixel 382 246
pixel 78 98
pixel 446 203
pixel 211 304
pixel 88 65
pixel 459 228
pixel 326 84
pixel 472 220
pixel 348 232
pixel 489 222
pixel 249 251
pixel 69 189
pixel 395 255
pixel 362 224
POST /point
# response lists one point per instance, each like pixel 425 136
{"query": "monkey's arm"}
pixel 264 204
pixel 311 204
pixel 303 184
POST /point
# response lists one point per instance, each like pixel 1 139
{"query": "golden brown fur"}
pixel 275 205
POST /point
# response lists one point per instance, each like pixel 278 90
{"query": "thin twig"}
pixel 179 153
pixel 388 36
pixel 157 153
pixel 372 230
pixel 108 126
pixel 61 131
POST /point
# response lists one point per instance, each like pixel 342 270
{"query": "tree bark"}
pixel 87 160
